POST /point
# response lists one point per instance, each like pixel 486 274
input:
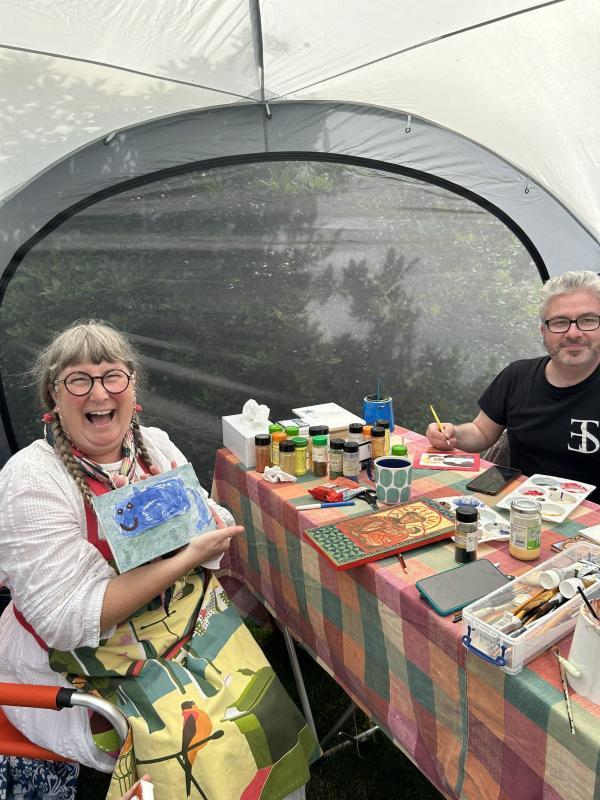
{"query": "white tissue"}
pixel 274 474
pixel 255 414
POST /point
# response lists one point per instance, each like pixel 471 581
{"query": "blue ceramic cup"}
pixel 393 478
pixel 378 407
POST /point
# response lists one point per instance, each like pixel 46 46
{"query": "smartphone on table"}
pixel 494 479
pixel 455 588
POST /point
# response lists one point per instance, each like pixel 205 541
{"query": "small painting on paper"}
pixel 146 519
pixel 453 459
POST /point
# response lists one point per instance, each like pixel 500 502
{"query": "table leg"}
pixel 304 702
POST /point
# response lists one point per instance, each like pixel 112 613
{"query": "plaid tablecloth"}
pixel 474 731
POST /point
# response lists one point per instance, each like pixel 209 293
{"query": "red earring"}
pixel 137 408
pixel 47 417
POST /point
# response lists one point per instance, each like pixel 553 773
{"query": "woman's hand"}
pixel 209 545
pixel 156 470
pixel 129 591
pixel 122 480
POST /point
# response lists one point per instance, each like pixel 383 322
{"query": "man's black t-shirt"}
pixel 552 430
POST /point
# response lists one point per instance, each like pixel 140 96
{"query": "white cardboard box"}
pixel 238 436
pixel 336 417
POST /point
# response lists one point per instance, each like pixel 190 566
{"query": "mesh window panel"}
pixel 289 282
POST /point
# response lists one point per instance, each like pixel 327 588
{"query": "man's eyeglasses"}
pixel 114 381
pixel 586 322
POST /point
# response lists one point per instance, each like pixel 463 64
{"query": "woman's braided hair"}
pixel 93 342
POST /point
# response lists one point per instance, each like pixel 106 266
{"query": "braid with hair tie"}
pixel 63 447
pixel 139 441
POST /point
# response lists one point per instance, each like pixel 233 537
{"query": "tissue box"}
pixel 238 436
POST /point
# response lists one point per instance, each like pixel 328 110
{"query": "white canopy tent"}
pixel 497 96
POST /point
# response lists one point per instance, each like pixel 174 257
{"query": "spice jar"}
pixel 262 450
pixel 275 427
pixel 291 431
pixel 319 456
pixel 355 432
pixel 367 431
pixel 466 536
pixel 385 424
pixel 525 529
pixel 336 458
pixel 314 430
pixel 301 443
pixel 276 439
pixel 287 456
pixel 377 441
pixel 351 463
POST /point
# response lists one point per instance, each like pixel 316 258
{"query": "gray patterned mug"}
pixel 393 478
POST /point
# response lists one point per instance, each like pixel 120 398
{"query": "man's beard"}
pixel 582 358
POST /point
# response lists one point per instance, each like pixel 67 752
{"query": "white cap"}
pixel 550 579
pixel 568 587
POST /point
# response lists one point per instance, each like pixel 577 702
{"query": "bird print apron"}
pixel 208 717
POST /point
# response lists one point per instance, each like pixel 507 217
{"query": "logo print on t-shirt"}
pixel 589 443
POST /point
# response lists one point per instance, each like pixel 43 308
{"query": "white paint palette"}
pixel 558 496
pixel 491 524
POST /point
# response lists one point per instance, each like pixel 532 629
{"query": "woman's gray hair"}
pixel 93 342
pixel 569 282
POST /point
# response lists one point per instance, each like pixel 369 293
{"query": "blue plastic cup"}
pixel 378 407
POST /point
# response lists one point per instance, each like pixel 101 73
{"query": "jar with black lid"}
pixel 466 535
pixel 377 441
pixel 262 450
pixel 336 458
pixel 385 424
pixel 351 462
pixel 287 456
pixel 355 431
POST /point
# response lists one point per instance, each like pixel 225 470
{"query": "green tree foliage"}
pixel 290 282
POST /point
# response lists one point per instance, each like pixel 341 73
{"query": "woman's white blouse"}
pixel 57 579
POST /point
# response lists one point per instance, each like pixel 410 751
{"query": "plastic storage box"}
pixel 512 650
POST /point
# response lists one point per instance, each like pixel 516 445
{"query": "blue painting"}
pixel 152 517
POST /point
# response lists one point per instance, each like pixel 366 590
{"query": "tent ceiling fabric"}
pixel 524 86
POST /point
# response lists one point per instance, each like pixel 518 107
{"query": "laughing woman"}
pixel 209 718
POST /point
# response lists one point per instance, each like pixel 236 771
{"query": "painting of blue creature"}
pixel 152 517
pixel 149 506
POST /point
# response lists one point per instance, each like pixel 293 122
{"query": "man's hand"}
pixel 472 437
pixel 442 440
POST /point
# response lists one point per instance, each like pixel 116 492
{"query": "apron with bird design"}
pixel 208 717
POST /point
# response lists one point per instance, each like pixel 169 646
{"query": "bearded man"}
pixel 549 406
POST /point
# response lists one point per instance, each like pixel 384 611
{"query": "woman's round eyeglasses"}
pixel 586 322
pixel 114 381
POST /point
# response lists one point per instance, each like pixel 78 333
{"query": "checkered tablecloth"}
pixel 474 731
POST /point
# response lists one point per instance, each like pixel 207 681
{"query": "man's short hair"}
pixel 569 282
